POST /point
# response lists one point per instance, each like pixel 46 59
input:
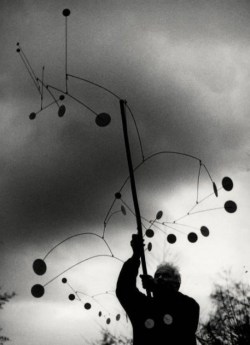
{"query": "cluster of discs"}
pixel 229 206
pixel 102 119
pixel 37 290
pixel 39 267
pixel 88 305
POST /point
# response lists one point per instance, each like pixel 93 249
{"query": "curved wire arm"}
pixel 137 130
pixel 149 158
pixel 91 297
pixel 169 224
pixel 117 97
pixel 76 235
pixel 48 87
pixel 95 84
pixel 80 262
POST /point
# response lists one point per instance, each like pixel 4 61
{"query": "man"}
pixel 169 317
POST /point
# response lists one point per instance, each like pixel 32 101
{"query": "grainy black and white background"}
pixel 184 68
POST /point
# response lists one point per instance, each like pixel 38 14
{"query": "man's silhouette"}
pixel 169 317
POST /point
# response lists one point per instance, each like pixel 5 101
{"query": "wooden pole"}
pixel 133 186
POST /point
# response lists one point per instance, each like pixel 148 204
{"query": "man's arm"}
pixel 126 289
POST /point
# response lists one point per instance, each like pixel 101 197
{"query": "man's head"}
pixel 167 277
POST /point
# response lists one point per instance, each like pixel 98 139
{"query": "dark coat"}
pixel 169 321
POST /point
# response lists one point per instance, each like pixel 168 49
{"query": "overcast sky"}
pixel 183 67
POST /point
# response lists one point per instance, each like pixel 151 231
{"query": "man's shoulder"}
pixel 188 300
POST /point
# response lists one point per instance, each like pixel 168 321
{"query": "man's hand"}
pixel 136 245
pixel 147 282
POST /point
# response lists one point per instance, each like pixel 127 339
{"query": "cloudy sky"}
pixel 183 67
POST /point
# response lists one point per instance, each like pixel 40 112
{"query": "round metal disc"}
pixel 66 12
pixel 204 231
pixel 123 209
pixel 118 316
pixel 227 183
pixel 192 237
pixel 61 97
pixel 32 116
pixel 72 297
pixel 159 215
pixel 108 321
pixel 215 189
pixel 103 120
pixel 64 280
pixel 87 306
pixel 171 238
pixel 37 290
pixel 230 206
pixel 149 323
pixel 150 246
pixel 39 267
pixel 168 319
pixel 100 314
pixel 61 110
pixel 118 195
pixel 150 233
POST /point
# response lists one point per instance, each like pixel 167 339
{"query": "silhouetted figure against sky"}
pixel 169 317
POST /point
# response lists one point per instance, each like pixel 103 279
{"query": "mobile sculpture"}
pixel 146 227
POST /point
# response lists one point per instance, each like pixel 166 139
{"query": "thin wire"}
pixel 29 65
pixel 46 106
pixel 116 96
pixel 147 159
pixel 134 213
pixel 137 130
pixel 95 84
pixel 193 207
pixel 208 172
pixel 75 292
pixel 34 80
pixel 112 214
pixel 76 99
pixel 198 183
pixel 104 293
pixel 160 153
pixel 66 56
pixel 42 87
pixel 109 211
pixel 47 88
pixel 209 209
pixel 78 263
pixel 187 226
pixel 176 220
pixel 91 297
pixel 171 227
pixel 76 235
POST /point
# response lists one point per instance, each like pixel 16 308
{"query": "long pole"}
pixel 133 186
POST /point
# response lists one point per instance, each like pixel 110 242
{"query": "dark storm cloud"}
pixel 64 172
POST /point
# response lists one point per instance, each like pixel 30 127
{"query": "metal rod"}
pixel 66 55
pixel 133 186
